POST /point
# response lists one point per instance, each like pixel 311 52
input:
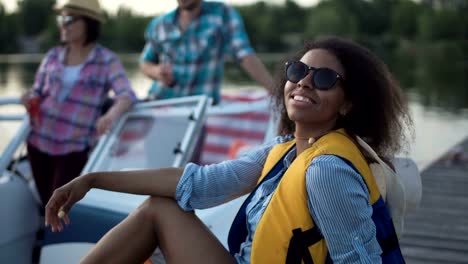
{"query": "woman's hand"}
pixel 105 122
pixel 63 199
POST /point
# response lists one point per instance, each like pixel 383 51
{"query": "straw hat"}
pixel 88 8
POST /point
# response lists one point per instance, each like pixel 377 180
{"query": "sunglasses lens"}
pixel 324 78
pixel 65 20
pixel 296 71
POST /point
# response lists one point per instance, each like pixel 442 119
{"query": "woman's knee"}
pixel 155 207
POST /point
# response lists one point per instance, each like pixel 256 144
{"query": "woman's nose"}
pixel 306 82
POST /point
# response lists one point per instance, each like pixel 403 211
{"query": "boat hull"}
pixel 20 221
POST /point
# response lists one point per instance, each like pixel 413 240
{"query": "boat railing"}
pixel 187 113
pixel 223 109
pixel 19 137
pixel 4 101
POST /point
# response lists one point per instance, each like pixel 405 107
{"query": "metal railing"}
pixel 19 138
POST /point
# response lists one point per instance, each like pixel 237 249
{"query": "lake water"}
pixel 437 89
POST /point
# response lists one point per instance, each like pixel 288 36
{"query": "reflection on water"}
pixel 435 77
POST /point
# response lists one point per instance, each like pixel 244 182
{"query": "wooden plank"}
pixel 437 232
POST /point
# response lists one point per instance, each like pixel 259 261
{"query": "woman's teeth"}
pixel 302 99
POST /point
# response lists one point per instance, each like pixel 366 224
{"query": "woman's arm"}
pixel 118 82
pixel 39 79
pixel 339 204
pixel 159 182
pixel 105 122
pixel 200 186
pixel 208 186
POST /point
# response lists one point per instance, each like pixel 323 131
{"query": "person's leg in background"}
pixel 69 167
pixel 43 167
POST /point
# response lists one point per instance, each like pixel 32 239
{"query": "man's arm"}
pixel 239 46
pixel 150 69
pixel 257 71
pixel 153 67
pixel 159 72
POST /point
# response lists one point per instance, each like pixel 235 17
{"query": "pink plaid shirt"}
pixel 69 125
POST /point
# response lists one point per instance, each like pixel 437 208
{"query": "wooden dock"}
pixel 437 232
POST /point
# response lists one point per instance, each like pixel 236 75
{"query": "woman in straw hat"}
pixel 69 91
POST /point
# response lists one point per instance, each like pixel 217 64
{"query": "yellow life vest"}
pixel 288 209
pixel 287 219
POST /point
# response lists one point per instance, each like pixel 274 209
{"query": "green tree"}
pixel 330 18
pixel 441 75
pixel 8 31
pixel 32 14
pixel 50 35
pixel 293 16
pixel 125 31
pixel 380 17
pixel 2 26
pixel 443 24
pixel 263 24
pixel 404 19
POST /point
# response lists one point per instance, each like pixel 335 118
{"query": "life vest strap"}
pixel 389 244
pixel 299 244
pixel 238 232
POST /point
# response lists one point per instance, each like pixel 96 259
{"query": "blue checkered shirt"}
pixel 198 53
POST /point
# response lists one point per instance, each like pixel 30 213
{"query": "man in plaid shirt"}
pixel 186 48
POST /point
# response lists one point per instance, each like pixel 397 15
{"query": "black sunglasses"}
pixel 67 20
pixel 322 78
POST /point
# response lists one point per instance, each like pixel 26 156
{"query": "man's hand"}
pixel 162 72
pixel 166 75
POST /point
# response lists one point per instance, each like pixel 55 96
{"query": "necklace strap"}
pixel 310 140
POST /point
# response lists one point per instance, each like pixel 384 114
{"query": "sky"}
pixel 150 7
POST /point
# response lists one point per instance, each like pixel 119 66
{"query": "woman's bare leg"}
pixel 181 236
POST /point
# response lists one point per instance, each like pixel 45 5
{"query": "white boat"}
pixel 151 135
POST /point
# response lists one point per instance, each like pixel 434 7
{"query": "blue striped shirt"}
pixel 338 199
pixel 197 54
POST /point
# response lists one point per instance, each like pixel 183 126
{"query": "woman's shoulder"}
pixel 53 54
pixel 104 54
pixel 330 169
pixel 55 50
